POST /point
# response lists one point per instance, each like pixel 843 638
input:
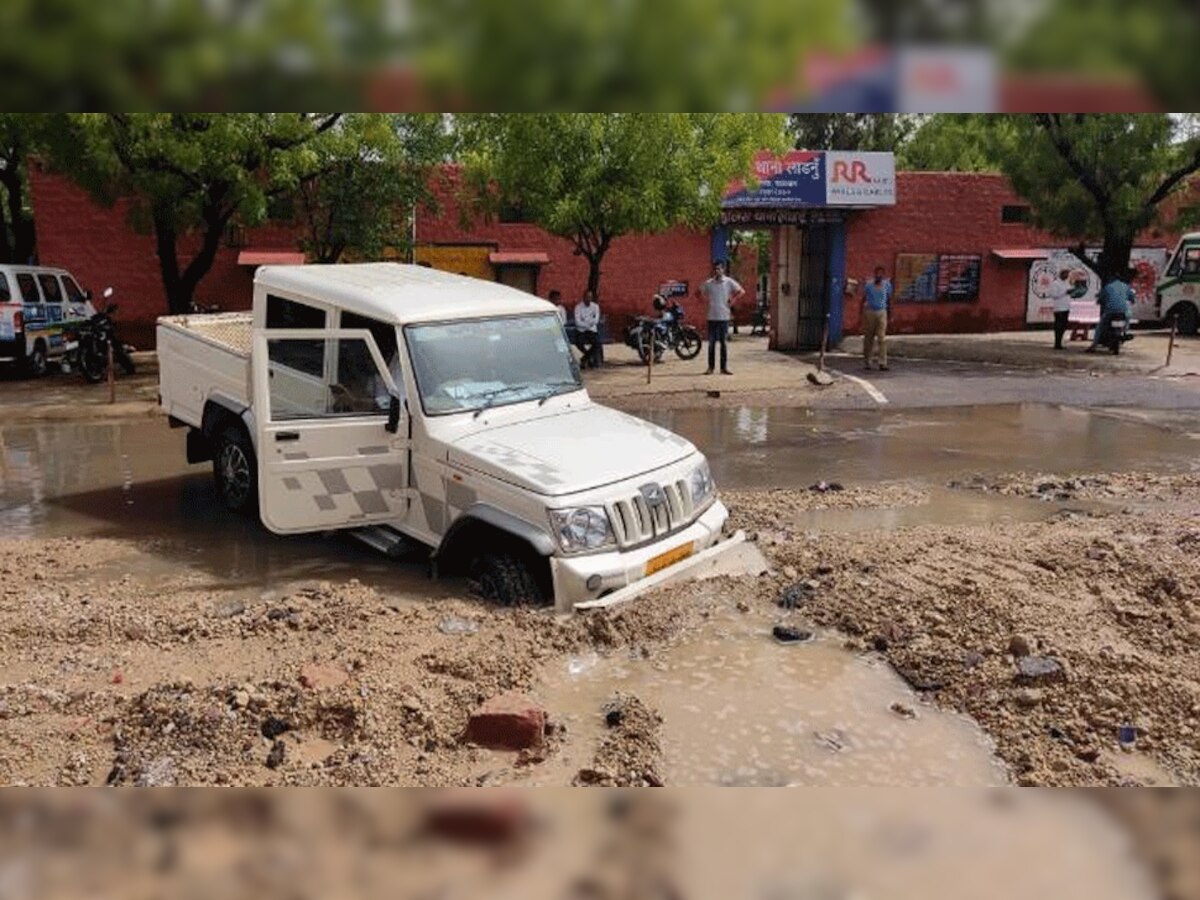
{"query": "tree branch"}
pixel 1172 181
pixel 1051 124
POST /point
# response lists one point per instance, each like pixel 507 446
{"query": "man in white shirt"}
pixel 1060 293
pixel 587 328
pixel 721 292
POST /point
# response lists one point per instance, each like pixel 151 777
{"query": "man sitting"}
pixel 1116 298
pixel 587 329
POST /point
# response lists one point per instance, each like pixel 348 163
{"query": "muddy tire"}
pixel 123 359
pixel 92 365
pixel 235 470
pixel 506 579
pixel 36 362
pixel 1187 319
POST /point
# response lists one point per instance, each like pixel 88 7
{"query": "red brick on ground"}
pixel 507 722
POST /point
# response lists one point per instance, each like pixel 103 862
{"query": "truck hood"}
pixel 575 451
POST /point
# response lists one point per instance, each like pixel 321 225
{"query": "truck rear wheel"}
pixel 235 470
pixel 35 362
pixel 506 579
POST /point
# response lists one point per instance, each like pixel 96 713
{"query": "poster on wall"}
pixel 1148 264
pixel 958 278
pixel 916 277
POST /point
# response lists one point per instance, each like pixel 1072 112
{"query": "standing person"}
pixel 877 297
pixel 1060 293
pixel 587 328
pixel 721 292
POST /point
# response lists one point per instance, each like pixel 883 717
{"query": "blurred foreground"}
pixel 809 845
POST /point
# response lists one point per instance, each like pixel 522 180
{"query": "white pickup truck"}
pixel 412 405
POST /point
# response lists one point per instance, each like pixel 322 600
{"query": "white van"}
pixel 39 306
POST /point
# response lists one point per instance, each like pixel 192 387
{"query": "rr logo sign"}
pixel 853 172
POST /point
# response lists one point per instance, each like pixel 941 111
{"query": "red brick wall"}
pixel 100 248
pixel 630 274
pixel 940 212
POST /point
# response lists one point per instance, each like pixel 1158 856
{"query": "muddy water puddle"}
pixel 740 709
pixel 761 448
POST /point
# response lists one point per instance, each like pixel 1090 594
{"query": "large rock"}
pixel 507 722
pixel 1033 670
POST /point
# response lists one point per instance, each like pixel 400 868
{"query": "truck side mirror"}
pixel 393 422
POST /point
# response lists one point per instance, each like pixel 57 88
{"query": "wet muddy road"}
pixel 736 707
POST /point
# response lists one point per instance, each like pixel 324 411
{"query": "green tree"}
pixel 371 174
pixel 20 135
pixel 954 143
pixel 850 131
pixel 1102 177
pixel 592 177
pixel 192 175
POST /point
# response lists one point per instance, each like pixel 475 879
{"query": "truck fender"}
pixel 537 538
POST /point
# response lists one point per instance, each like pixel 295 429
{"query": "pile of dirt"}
pixel 765 511
pixel 1074 642
pixel 1117 486
pixel 629 754
pixel 311 683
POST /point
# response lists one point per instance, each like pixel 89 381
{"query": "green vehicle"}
pixel 1178 293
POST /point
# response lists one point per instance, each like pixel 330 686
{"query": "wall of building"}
pixel 100 248
pixel 953 213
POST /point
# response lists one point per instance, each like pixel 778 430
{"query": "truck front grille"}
pixel 636 520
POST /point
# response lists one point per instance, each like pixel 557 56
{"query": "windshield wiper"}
pixel 491 397
pixel 553 390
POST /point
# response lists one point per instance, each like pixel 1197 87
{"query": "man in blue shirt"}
pixel 1116 298
pixel 877 297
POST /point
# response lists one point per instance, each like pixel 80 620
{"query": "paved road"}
pixel 918 383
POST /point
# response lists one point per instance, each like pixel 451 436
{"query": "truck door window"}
pixel 303 356
pixel 1191 261
pixel 74 294
pixel 385 339
pixel 298 394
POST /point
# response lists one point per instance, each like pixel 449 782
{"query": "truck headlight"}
pixel 582 529
pixel 702 486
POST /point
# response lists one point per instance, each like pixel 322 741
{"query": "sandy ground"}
pixel 1104 603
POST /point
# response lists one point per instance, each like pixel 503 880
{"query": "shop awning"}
pixel 1021 253
pixel 270 258
pixel 514 258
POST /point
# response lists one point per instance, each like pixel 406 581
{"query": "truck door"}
pixel 326 459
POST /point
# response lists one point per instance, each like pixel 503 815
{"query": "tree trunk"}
pixel 20 238
pixel 593 282
pixel 180 286
pixel 1114 257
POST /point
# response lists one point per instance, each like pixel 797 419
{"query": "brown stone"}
pixel 507 722
pixel 322 676
pixel 470 817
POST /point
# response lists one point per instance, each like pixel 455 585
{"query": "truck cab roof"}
pixel 398 293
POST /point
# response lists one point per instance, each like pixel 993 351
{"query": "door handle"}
pixel 281 436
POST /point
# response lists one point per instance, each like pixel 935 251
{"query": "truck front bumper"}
pixel 578 579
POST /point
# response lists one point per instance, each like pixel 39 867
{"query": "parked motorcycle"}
pixel 1117 334
pixel 668 332
pixel 90 355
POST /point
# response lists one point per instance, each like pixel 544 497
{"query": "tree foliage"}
pixel 192 174
pixel 592 177
pixel 20 135
pixel 850 131
pixel 370 174
pixel 1098 176
pixel 954 143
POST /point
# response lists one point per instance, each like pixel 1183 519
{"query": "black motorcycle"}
pixel 94 339
pixel 668 332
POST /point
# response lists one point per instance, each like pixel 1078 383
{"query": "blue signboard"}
pixel 795 179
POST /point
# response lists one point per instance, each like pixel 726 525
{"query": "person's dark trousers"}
pixel 718 333
pixel 587 341
pixel 1060 327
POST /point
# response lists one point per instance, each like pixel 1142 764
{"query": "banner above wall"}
pixel 817 178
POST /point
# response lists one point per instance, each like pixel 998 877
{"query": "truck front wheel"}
pixel 235 470
pixel 506 579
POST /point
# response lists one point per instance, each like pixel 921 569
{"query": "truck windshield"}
pixel 480 363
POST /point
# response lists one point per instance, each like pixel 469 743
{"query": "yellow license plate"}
pixel 665 560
